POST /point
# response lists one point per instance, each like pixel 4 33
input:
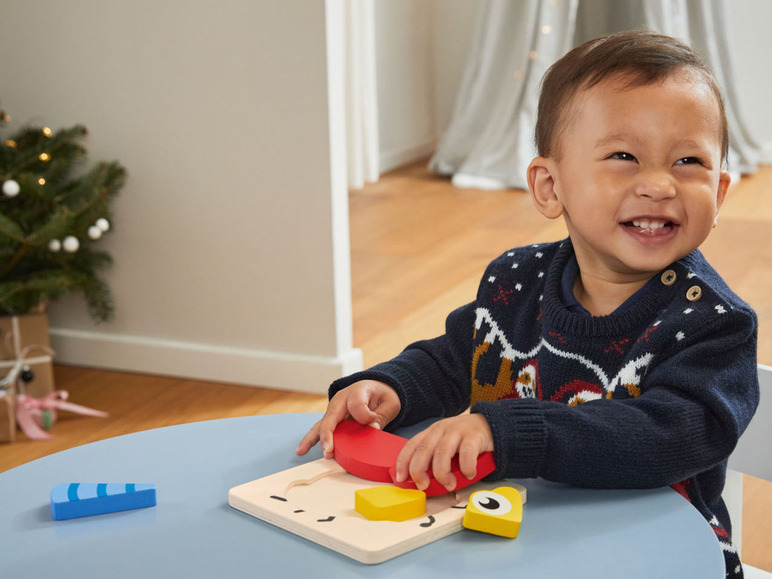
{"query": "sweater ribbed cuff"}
pixel 519 436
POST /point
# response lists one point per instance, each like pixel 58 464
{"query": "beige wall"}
pixel 421 49
pixel 227 264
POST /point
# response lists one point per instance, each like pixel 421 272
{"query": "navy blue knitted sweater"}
pixel 655 395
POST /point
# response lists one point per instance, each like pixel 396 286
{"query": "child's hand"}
pixel 467 435
pixel 368 402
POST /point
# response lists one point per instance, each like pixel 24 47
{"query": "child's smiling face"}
pixel 638 174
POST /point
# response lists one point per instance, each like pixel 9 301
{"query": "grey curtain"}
pixel 488 143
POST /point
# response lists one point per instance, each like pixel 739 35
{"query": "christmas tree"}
pixel 53 211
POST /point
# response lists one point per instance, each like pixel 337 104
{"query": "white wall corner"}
pixel 400 156
pixel 341 249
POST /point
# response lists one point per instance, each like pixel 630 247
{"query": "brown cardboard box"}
pixel 7 417
pixel 18 333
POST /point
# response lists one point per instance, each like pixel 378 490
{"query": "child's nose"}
pixel 656 185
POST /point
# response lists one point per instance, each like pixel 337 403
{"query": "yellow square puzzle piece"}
pixel 389 503
pixel 498 512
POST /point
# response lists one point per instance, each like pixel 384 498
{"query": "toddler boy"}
pixel 616 358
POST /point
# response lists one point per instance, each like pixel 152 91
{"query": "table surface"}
pixel 193 532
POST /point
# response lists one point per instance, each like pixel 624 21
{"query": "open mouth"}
pixel 650 227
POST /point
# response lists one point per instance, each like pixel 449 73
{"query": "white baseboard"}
pixel 402 156
pixel 286 371
pixel 765 158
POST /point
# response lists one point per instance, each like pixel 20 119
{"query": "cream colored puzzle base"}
pixel 316 501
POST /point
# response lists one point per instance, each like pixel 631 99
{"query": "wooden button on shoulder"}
pixel 694 293
pixel 668 277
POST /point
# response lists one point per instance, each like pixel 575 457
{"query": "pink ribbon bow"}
pixel 29 411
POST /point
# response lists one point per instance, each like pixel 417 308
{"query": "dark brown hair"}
pixel 641 57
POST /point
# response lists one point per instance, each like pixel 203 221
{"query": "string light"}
pixel 46 131
pixel 45 157
pixel 11 143
pixel 42 181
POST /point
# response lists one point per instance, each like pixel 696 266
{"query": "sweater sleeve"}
pixel 431 377
pixel 695 402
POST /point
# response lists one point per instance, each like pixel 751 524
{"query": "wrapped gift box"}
pixel 7 417
pixel 27 337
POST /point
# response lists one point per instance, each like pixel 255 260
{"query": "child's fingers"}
pixel 420 453
pixel 359 404
pixel 467 459
pixel 308 441
pixel 373 403
pixel 337 411
pixel 405 460
pixel 441 463
pixel 368 402
pixel 466 435
pixel 418 469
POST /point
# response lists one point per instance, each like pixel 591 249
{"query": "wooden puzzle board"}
pixel 316 501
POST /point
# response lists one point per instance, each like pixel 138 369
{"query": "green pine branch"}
pixel 58 198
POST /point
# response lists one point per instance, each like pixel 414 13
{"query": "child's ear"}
pixel 724 180
pixel 541 183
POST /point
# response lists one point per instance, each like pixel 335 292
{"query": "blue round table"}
pixel 193 532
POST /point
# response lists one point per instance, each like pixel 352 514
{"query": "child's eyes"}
pixel 622 156
pixel 689 161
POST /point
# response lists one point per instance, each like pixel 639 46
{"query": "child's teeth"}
pixel 645 224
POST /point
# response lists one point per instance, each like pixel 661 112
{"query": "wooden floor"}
pixel 418 248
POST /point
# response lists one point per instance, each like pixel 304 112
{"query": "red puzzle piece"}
pixel 485 466
pixel 365 451
pixel 372 454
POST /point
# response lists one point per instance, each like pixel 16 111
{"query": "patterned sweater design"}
pixel 652 396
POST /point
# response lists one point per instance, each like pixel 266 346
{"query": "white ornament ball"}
pixel 71 244
pixel 11 188
pixel 103 224
pixel 55 245
pixel 94 232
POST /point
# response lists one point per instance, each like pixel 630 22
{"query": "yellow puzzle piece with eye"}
pixel 389 503
pixel 498 512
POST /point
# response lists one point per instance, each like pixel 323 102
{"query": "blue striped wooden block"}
pixel 70 500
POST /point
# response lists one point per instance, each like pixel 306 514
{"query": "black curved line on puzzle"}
pixel 430 523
